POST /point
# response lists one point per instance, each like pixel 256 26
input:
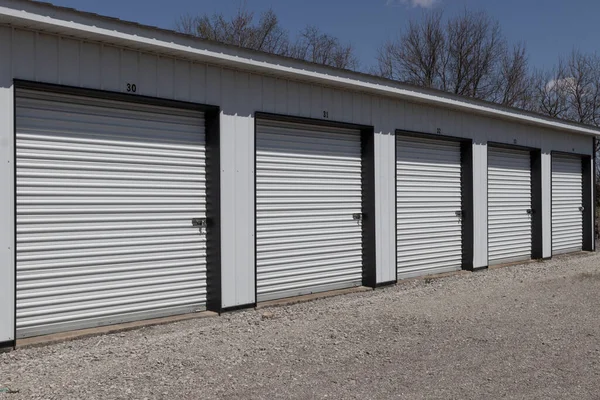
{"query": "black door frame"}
pixel 213 192
pixel 537 231
pixel 588 172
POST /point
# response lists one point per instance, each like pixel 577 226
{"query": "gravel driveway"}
pixel 528 331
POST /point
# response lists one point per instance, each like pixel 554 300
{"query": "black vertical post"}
pixel 213 211
pixel 588 203
pixel 596 199
pixel 368 208
pixel 466 157
pixel 537 246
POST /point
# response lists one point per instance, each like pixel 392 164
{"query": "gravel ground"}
pixel 527 331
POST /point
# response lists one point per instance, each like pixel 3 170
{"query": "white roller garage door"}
pixel 106 194
pixel 509 205
pixel 567 204
pixel 308 192
pixel 429 206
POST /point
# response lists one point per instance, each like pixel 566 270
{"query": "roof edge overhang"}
pixel 48 18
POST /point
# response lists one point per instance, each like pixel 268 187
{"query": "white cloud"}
pixel 412 3
pixel 567 84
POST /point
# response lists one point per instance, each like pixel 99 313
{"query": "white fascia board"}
pixel 87 26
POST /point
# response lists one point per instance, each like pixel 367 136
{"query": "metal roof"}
pixel 89 26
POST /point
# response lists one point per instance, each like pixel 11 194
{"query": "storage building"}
pixel 146 173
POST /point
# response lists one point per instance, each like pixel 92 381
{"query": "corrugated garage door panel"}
pixel 106 192
pixel 509 205
pixel 429 228
pixel 308 189
pixel 567 204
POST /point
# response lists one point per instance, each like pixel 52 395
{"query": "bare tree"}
pixel 240 30
pixel 467 55
pixel 549 95
pixel 474 48
pixel 417 54
pixel 513 81
pixel 266 34
pixel 582 86
pixel 315 46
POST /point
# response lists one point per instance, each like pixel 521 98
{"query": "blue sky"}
pixel 547 27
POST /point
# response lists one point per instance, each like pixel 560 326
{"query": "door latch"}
pixel 530 212
pixel 459 214
pixel 582 209
pixel 200 223
pixel 358 217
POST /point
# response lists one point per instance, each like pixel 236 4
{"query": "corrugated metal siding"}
pixel 106 193
pixel 509 199
pixel 308 188
pixel 567 203
pixel 50 58
pixel 429 231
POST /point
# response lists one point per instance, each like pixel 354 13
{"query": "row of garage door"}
pixel 112 209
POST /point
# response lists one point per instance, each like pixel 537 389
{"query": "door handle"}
pixel 358 217
pixel 582 209
pixel 530 212
pixel 200 223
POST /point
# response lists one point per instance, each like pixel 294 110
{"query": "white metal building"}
pixel 146 173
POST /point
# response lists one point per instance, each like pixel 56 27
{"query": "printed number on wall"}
pixel 325 114
pixel 131 87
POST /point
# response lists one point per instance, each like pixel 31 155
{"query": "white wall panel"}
pixel 47 49
pixel 165 78
pixel 89 71
pixel 269 99
pixel 316 102
pixel 23 55
pixel 111 69
pixel 147 79
pixel 181 80
pixel 7 183
pixel 305 100
pixel 480 234
pixel 381 112
pixel 385 206
pixel 197 83
pixel 237 191
pixel 213 85
pixel 347 106
pixel 293 98
pixel 281 96
pixel 68 61
pixel 129 68
pixel 546 208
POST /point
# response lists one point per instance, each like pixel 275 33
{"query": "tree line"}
pixel 466 54
pixel 265 33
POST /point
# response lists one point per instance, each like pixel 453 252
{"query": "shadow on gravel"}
pixel 589 276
